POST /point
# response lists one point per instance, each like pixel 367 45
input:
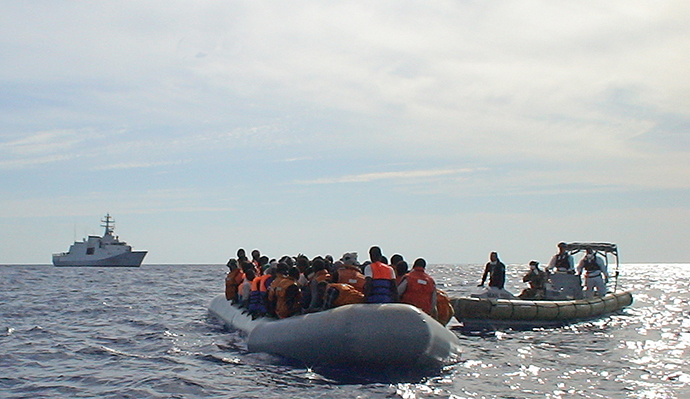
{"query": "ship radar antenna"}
pixel 109 224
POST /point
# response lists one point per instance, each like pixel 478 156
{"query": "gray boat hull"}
pixel 369 335
pixel 128 259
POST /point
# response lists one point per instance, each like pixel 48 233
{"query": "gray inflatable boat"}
pixel 369 335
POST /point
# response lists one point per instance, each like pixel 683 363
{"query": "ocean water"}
pixel 146 333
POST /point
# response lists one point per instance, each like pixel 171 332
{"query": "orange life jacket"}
pixel 347 294
pixel 262 285
pixel 444 308
pixel 351 275
pixel 286 306
pixel 232 282
pixel 321 276
pixel 420 289
pixel 383 287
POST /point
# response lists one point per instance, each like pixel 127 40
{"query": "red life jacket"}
pixel 420 289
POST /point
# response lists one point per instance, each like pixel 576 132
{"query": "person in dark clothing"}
pixel 536 278
pixel 496 271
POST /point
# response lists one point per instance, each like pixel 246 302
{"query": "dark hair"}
pixel 375 254
pixel 419 262
pixel 282 268
pixel 401 268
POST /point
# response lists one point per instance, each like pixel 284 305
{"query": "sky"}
pixel 435 129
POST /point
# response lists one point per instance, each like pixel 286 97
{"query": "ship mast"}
pixel 109 224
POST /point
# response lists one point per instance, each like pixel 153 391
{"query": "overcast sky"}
pixel 435 129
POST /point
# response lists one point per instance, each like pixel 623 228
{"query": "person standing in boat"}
pixel 596 273
pixel 562 262
pixel 380 285
pixel 419 289
pixel 496 271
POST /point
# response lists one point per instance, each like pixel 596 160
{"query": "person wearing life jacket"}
pixel 380 285
pixel 562 262
pixel 444 307
pixel 496 271
pixel 258 296
pixel 339 294
pixel 319 280
pixel 233 280
pixel 401 269
pixel 246 286
pixel 283 295
pixel 596 273
pixel 348 272
pixel 419 289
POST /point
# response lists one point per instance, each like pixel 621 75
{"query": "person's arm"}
pixel 486 273
pixel 402 287
pixel 580 266
pixel 434 310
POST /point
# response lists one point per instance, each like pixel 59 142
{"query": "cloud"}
pixel 403 175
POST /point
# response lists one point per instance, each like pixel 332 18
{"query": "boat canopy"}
pixel 605 247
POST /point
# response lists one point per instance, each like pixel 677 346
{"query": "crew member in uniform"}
pixel 596 273
pixel 562 262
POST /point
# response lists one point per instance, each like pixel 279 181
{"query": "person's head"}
pixel 256 254
pixel 493 256
pixel 241 253
pixel 350 258
pixel 318 264
pixel 384 260
pixel 375 254
pixel 302 263
pixel 534 265
pixel 561 247
pixel 246 265
pixel 401 268
pixel 396 258
pixel 294 273
pixel 232 264
pixel 589 251
pixel 420 262
pixel 263 260
pixel 249 274
pixel 282 268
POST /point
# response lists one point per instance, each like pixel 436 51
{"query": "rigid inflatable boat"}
pixel 563 303
pixel 368 335
pixel 491 313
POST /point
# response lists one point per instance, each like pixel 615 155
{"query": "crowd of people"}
pixel 295 285
pixel 592 266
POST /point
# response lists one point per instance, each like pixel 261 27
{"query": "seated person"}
pixel 537 282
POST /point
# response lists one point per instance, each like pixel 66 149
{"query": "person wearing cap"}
pixel 595 271
pixel 562 262
pixel 537 282
pixel 349 272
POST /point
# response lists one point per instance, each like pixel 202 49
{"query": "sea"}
pixel 146 333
